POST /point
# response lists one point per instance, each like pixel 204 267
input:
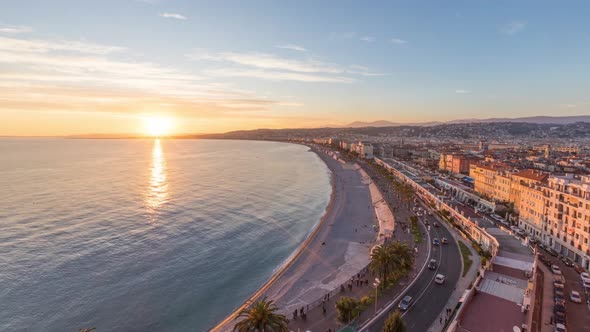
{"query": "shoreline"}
pixel 291 259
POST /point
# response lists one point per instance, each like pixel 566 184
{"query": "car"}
pixel 585 277
pixel 552 252
pixel 559 308
pixel 505 223
pixel 444 240
pixel 439 279
pixel 497 217
pixel 521 233
pixel 575 297
pixel 435 224
pixel 429 213
pixel 540 246
pixel 556 270
pixel 557 285
pixel 559 317
pixel 578 268
pixel 419 214
pixel 559 328
pixel 432 264
pixel 405 303
pixel 435 242
pixel 586 285
pixel 567 262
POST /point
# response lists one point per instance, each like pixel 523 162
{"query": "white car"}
pixel 440 279
pixel 575 297
pixel 585 277
pixel 497 217
pixel 555 269
pixel 559 328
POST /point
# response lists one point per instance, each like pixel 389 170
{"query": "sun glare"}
pixel 157 126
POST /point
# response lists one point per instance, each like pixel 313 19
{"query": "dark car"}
pixel 559 317
pixel 568 262
pixel 435 242
pixel 432 264
pixel 405 303
pixel 552 252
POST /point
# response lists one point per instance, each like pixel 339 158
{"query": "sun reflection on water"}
pixel 157 192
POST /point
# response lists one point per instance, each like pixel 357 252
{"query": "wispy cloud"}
pixel 398 41
pixel 268 61
pixel 174 16
pixel 274 75
pixel 273 67
pixel 461 91
pixel 14 29
pixel 75 76
pixel 292 47
pixel 42 46
pixel 513 27
pixel 368 39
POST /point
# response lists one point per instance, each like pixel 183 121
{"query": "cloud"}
pixel 41 46
pixel 174 16
pixel 269 61
pixel 278 75
pixel 461 91
pixel 368 39
pixel 273 67
pixel 75 76
pixel 14 29
pixel 292 47
pixel 398 41
pixel 568 105
pixel 513 27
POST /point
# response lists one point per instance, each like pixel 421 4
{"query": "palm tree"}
pixel 402 257
pixel 261 317
pixel 394 323
pixel 380 261
pixel 346 307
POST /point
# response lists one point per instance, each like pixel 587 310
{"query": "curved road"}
pixel 428 298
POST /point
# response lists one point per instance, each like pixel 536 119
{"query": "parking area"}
pixel 577 314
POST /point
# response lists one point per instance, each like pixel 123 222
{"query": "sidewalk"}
pixel 318 321
pixel 462 284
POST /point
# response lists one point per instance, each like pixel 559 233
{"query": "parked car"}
pixel 575 297
pixel 432 264
pixel 559 328
pixel 419 214
pixel 435 242
pixel 497 217
pixel 585 276
pixel 444 240
pixel 405 303
pixel 540 246
pixel 559 317
pixel 439 279
pixel 578 268
pixel 555 269
pixel 552 252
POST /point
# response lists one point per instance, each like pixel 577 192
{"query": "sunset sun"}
pixel 157 126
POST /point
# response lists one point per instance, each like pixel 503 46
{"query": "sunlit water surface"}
pixel 147 235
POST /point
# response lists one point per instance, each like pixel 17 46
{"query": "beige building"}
pixel 568 216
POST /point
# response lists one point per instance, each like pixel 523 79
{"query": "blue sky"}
pixel 224 65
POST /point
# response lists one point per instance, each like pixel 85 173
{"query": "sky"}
pixel 75 67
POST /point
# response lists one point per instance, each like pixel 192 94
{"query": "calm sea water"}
pixel 147 235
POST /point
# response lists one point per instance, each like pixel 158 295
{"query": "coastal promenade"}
pixel 337 250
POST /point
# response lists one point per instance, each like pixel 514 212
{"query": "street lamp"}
pixel 376 284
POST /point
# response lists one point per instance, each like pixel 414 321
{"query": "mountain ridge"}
pixel 529 119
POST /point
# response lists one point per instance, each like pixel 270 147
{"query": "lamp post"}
pixel 376 284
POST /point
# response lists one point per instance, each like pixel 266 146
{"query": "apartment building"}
pixel 521 182
pixel 568 216
pixel 456 163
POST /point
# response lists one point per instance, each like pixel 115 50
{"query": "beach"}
pixel 337 249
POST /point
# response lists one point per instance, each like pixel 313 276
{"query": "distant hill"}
pixel 530 119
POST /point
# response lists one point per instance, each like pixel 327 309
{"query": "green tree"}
pixel 380 262
pixel 394 323
pixel 261 317
pixel 402 257
pixel 347 308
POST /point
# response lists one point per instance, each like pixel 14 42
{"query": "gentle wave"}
pixel 142 235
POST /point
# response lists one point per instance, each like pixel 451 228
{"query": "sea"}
pixel 147 234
